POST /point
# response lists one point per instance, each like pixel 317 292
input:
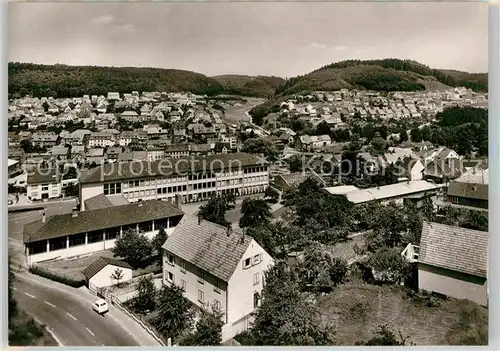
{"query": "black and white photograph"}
pixel 247 173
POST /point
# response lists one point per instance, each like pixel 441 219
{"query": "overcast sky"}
pixel 283 39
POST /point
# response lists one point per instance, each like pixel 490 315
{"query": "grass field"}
pixel 356 309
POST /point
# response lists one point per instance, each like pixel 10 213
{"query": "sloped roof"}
pixel 454 248
pixel 468 190
pixel 97 202
pixel 88 221
pixel 208 246
pixel 102 262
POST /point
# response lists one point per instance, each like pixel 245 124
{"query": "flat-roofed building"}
pixel 80 233
pixel 387 193
pixel 194 179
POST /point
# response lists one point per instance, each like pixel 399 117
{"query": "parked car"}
pixel 100 306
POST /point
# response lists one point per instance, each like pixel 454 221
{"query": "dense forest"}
pixel 74 81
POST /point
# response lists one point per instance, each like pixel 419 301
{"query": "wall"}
pixel 88 191
pixel 34 192
pixel 190 276
pixel 241 288
pixel 82 249
pixel 103 277
pixel 453 284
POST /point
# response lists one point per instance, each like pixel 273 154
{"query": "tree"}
pixel 174 312
pixel 388 265
pixel 379 145
pixel 146 295
pixel 272 194
pixel 215 209
pixel 158 242
pixel 321 272
pixel 254 212
pixel 476 220
pixel 135 248
pixel 385 337
pixel 117 275
pixel 208 330
pixel 72 190
pixel 286 317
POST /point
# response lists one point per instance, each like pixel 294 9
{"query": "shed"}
pixel 100 273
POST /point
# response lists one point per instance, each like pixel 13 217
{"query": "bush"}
pixel 75 283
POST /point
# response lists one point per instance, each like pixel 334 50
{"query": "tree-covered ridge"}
pixel 75 81
pixel 254 86
pixel 475 81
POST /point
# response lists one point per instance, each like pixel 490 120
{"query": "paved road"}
pixel 70 319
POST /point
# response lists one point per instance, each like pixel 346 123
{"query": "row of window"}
pixel 112 188
pixel 201 295
pixel 255 169
pixel 252 261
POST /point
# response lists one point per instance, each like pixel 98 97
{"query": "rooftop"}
pixel 389 191
pixel 208 246
pixel 102 262
pixel 454 248
pixel 167 167
pixel 88 221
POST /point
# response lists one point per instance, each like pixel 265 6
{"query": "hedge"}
pixel 75 283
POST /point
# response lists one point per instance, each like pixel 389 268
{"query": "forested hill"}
pixel 74 81
pixel 377 75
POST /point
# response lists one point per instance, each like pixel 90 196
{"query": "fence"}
pixel 143 323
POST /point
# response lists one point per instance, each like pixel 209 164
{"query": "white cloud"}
pixel 317 45
pixel 340 48
pixel 103 19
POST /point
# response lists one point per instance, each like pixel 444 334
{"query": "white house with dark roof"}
pixel 99 274
pixel 43 184
pixel 217 268
pixel 453 261
pixel 81 233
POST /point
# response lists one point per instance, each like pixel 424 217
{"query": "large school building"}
pixel 194 179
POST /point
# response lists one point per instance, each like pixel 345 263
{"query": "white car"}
pixel 100 306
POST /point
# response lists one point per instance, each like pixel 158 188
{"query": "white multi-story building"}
pixel 194 179
pixel 217 269
pixel 101 139
pixel 43 184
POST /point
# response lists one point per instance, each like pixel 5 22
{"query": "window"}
pixel 256 278
pixel 216 306
pixel 256 300
pixel 218 286
pixel 170 277
pixel 183 284
pixel 257 259
pixel 45 187
pixel 201 277
pixel 170 259
pixel 247 263
pixel 183 266
pixel 201 296
pixel 95 237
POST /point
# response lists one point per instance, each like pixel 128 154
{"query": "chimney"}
pixel 43 216
pixel 74 213
pixel 229 229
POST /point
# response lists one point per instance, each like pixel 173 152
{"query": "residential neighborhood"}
pixel 169 187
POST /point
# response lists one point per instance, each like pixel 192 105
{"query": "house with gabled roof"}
pixel 453 261
pixel 218 268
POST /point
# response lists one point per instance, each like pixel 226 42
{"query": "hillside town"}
pixel 131 194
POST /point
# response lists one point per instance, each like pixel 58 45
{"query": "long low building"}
pixel 393 192
pixel 194 179
pixel 80 233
